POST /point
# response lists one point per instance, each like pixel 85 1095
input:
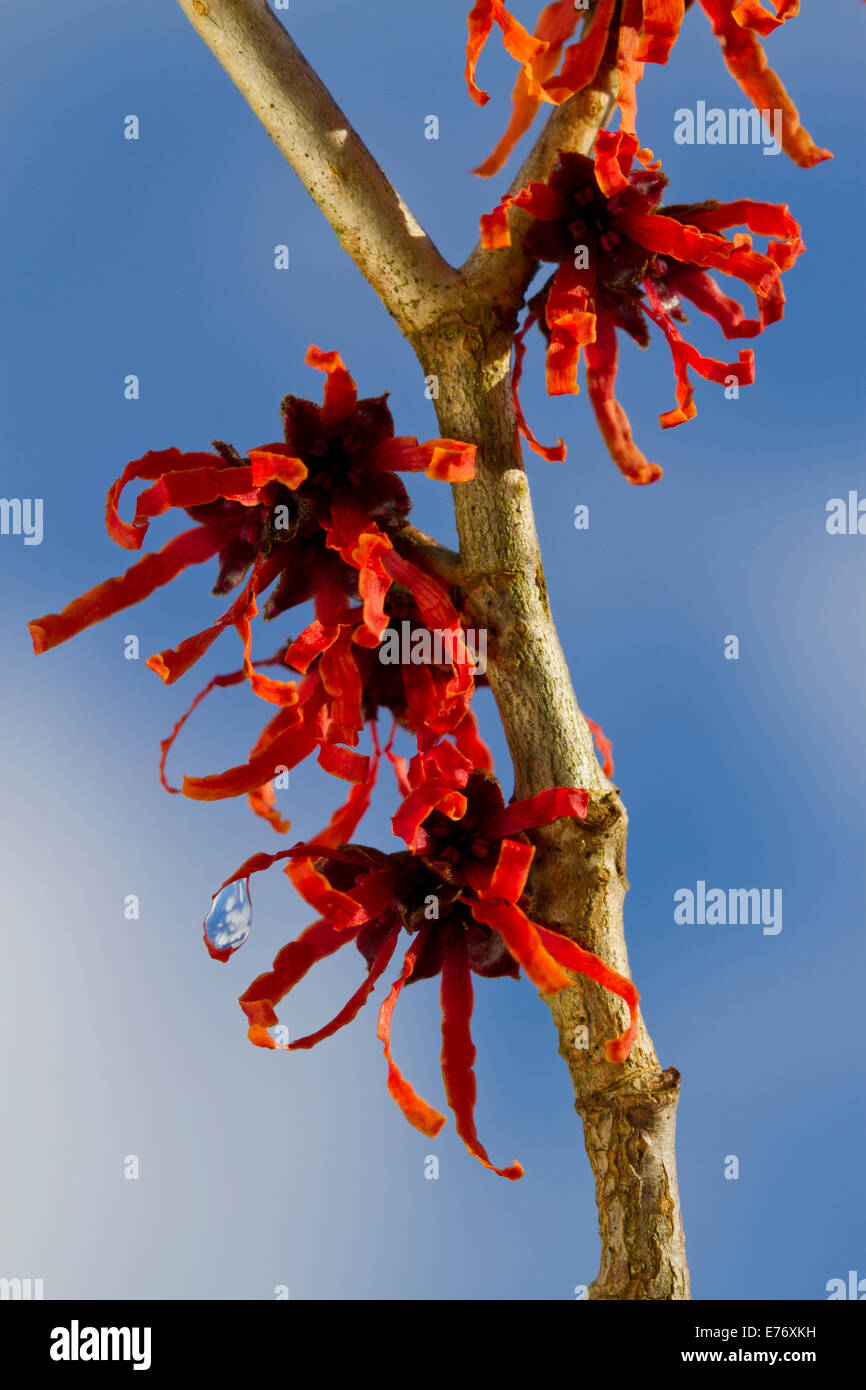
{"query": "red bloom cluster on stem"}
pixel 623 260
pixel 320 516
pixel 459 890
pixel 641 31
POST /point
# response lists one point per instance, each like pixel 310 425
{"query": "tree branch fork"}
pixel 461 324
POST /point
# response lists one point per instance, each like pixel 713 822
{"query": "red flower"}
pixel 346 687
pixel 458 892
pixel 314 516
pixel 622 259
pixel 646 31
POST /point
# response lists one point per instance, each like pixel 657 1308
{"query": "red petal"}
pixel 568 953
pixel 458 1052
pixel 471 744
pixel 747 64
pixel 273 466
pixel 570 315
pixel 342 762
pixel 662 20
pixel 417 806
pixel 541 809
pixel 554 453
pixel 523 941
pixel 139 582
pixel 416 1110
pixel 582 60
pixel 351 1009
pixel 556 25
pixel 153 465
pixel 341 910
pixel 233 678
pixel 195 487
pixel 686 356
pixel 601 358
pixel 288 748
pixel 340 392
pixel 604 746
pixel 291 965
pixel 507 878
pixel 515 38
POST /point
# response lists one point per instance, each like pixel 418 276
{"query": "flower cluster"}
pixel 641 31
pixel 623 261
pixel 321 516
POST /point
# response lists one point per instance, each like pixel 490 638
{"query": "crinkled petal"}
pixel 340 392
pixel 662 20
pixel 604 746
pixel 533 811
pixel 520 44
pixel 291 965
pixel 554 453
pixel 582 60
pixel 747 64
pixel 419 1114
pixel 523 941
pixel 154 464
pixel 601 360
pixel 506 879
pixel 458 1052
pixel 574 957
pixel 191 547
pixel 685 356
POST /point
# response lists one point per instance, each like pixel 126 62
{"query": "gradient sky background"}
pixel 156 257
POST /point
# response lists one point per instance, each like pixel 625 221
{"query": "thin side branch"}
pixel 371 221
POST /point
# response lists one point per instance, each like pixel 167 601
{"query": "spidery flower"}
pixel 459 891
pixel 623 260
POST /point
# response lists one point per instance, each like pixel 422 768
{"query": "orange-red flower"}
pixel 644 31
pixel 623 259
pixel 458 892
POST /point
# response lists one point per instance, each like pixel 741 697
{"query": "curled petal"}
pixel 520 44
pixel 154 464
pixel 233 678
pixel 747 64
pixel 541 809
pixel 468 739
pixel 353 1006
pixel 604 746
pixel 601 359
pixel 458 1052
pixel 685 356
pixel 751 14
pixel 295 741
pixel 191 547
pixel 582 60
pixel 523 941
pixel 662 20
pixel 574 957
pixel 341 910
pixel 570 315
pixel 507 878
pixel 340 392
pixel 275 464
pixel 419 1114
pixel 554 453
pixel 290 966
pixel 669 237
pixel 195 487
pixel 430 796
pixel 556 24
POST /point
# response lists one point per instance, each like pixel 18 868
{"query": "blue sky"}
pixel 155 257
